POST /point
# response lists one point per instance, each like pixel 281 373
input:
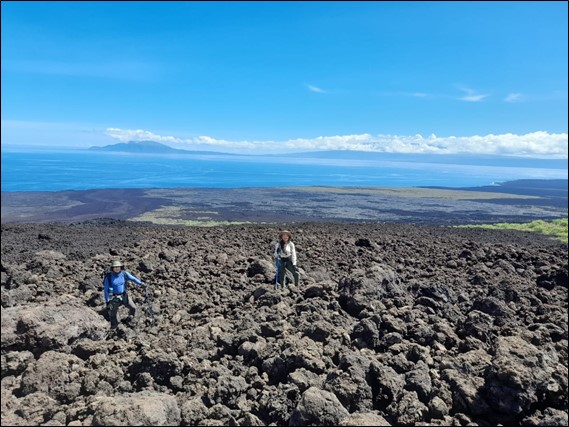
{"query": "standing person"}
pixel 285 253
pixel 114 287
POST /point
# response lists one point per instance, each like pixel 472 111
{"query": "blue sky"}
pixel 437 77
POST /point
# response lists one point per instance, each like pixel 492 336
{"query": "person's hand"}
pixel 143 284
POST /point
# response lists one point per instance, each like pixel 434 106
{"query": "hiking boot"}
pixel 111 334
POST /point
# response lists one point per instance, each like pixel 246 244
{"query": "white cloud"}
pixel 207 140
pixel 536 144
pixel 315 89
pixel 471 95
pixel 513 97
pixel 473 98
pixel 139 135
pixel 126 135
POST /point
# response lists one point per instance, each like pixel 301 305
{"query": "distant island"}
pixel 153 147
pixel 149 147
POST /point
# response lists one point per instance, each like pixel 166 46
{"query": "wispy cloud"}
pixel 536 144
pixel 471 95
pixel 315 89
pixel 514 97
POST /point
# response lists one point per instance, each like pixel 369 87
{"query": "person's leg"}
pixel 113 308
pixel 282 272
pixel 294 271
pixel 131 305
pixel 277 266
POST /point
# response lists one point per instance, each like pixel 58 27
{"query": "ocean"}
pixel 84 170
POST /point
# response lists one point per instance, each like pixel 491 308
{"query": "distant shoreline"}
pixel 503 186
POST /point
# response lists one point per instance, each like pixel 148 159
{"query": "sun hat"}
pixel 117 264
pixel 288 233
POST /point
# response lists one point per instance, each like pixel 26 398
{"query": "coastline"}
pixel 515 201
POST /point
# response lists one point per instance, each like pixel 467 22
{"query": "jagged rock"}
pixel 427 326
pixel 363 289
pixel 55 374
pixel 144 409
pixel 53 325
pixel 364 419
pixel 318 407
pixel 522 375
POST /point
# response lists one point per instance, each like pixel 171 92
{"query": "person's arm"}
pixel 106 287
pixel 293 253
pixel 277 250
pixel 132 278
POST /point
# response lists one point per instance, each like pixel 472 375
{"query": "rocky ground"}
pixel 392 324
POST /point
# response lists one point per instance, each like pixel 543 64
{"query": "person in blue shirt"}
pixel 114 287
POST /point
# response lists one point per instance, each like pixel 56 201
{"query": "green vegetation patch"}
pixel 556 228
pixel 437 193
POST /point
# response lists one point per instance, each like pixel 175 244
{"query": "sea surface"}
pixel 84 170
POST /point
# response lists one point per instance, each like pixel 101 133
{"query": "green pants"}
pixel 284 265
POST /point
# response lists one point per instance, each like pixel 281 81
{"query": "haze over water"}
pixel 79 170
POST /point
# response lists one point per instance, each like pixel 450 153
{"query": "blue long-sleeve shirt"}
pixel 115 283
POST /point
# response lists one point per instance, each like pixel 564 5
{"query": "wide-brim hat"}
pixel 288 233
pixel 117 264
